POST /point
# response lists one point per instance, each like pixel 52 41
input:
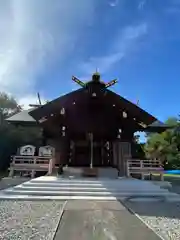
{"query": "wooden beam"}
pixel 111 83
pixel 75 79
pixel 35 105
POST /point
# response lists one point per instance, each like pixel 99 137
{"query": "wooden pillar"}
pixel 58 144
pixel 102 153
pixel 91 155
pixel 44 138
pixel 121 159
pixel 63 147
pixel 121 150
pixel 115 156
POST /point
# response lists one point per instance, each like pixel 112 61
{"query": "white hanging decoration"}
pixel 63 128
pixel 142 124
pixel 119 133
pixel 43 119
pixel 63 131
pixel 107 145
pixel 124 114
pixel 62 111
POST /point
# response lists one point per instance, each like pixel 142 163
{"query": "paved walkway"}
pixel 87 220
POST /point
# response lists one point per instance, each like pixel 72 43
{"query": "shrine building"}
pixel 90 127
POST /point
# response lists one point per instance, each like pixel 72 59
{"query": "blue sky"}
pixel 45 42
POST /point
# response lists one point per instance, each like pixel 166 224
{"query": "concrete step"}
pixel 49 184
pixel 62 198
pixel 104 183
pixel 82 189
pixel 122 181
pixel 101 189
pixel 77 182
pixel 81 180
pixel 59 188
pixel 82 193
pixel 120 187
pixel 29 187
pixel 169 198
pixel 76 185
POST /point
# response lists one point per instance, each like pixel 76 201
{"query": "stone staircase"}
pixel 56 188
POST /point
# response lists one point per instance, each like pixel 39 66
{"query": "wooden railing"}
pixel 144 167
pixel 31 164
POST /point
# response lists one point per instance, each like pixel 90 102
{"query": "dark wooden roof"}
pixel 158 126
pixel 56 105
pixel 131 108
pixel 85 112
pixel 110 99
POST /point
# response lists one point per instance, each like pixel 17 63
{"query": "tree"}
pixel 137 148
pixel 165 146
pixel 8 106
pixel 12 137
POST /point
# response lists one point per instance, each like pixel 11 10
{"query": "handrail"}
pixel 31 163
pixel 144 167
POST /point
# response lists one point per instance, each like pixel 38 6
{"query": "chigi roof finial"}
pixel 96 76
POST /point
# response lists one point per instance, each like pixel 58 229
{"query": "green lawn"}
pixel 172 175
pixel 168 175
pixel 174 179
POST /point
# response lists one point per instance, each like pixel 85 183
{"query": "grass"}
pixel 174 179
pixel 168 175
pixel 172 175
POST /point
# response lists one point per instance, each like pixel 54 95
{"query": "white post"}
pixel 91 139
pixel 33 171
pixel 50 167
pixel 11 173
pixel 142 166
pixel 127 166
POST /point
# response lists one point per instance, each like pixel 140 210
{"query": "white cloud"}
pixel 141 5
pixel 30 99
pixel 113 3
pixel 123 43
pixel 33 34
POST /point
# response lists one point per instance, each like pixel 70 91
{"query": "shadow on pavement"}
pixel 155 206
